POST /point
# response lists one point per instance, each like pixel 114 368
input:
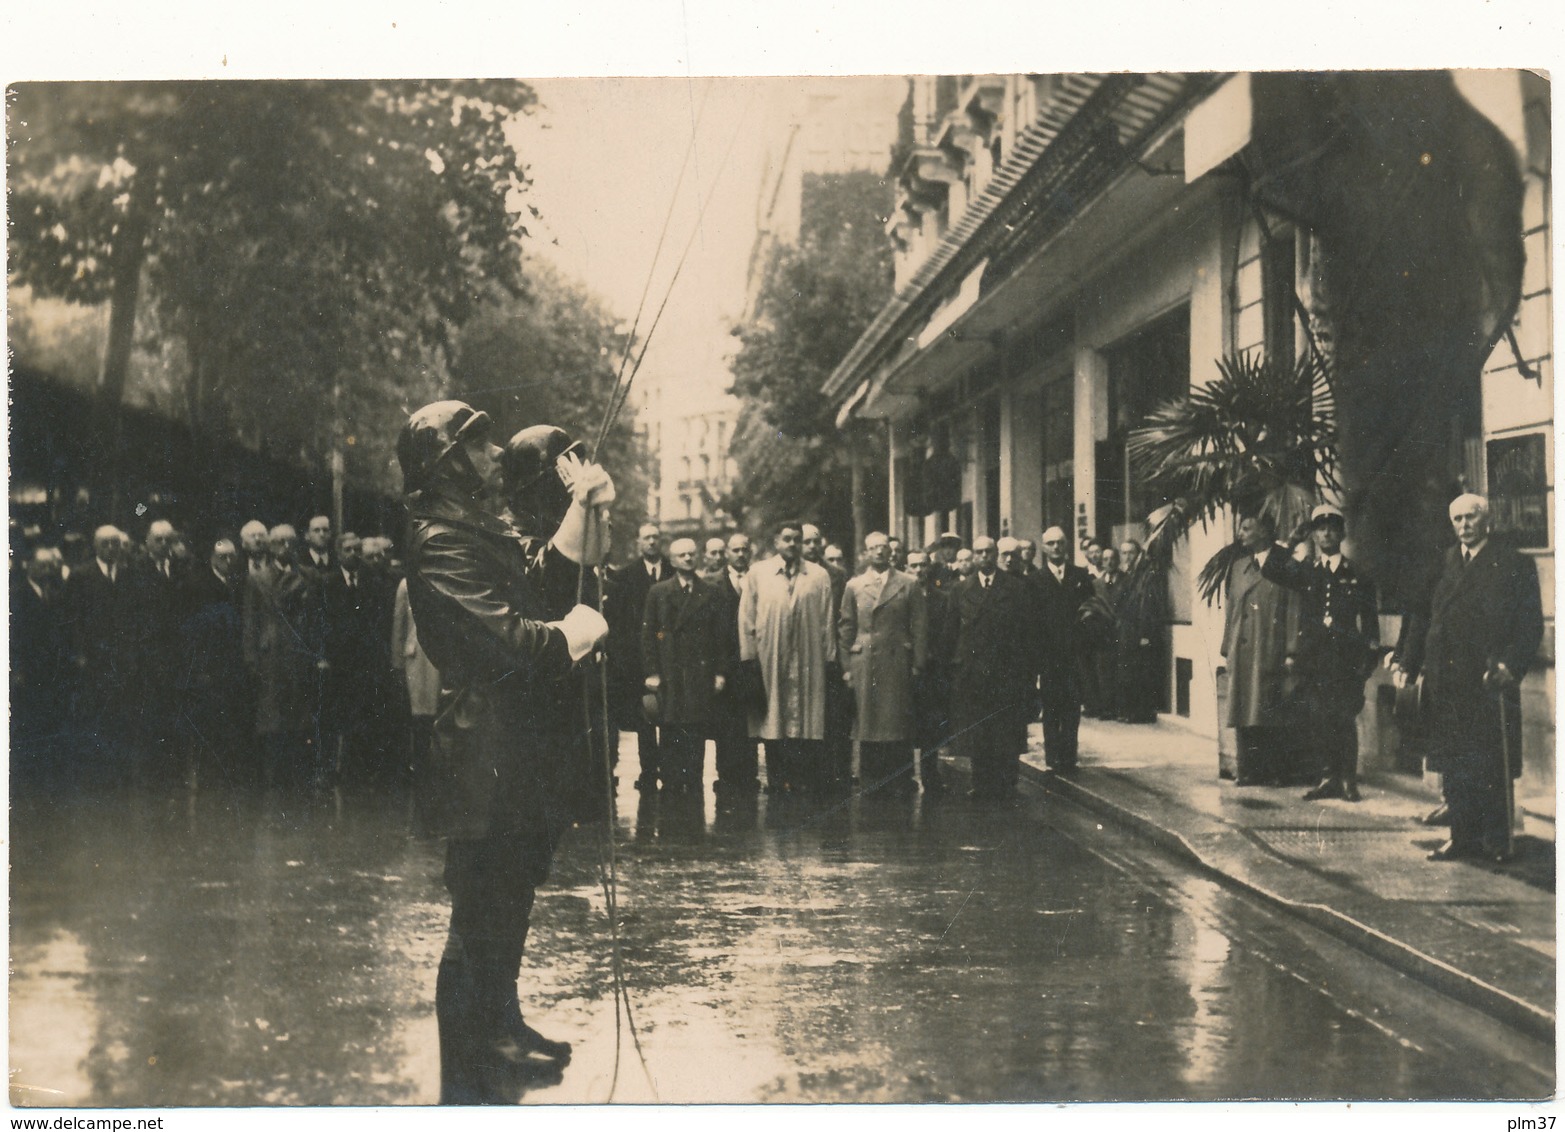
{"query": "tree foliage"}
pixel 814 301
pixel 1258 439
pixel 313 246
pixel 551 357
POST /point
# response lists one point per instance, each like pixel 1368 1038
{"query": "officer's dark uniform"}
pixel 504 752
pixel 1339 633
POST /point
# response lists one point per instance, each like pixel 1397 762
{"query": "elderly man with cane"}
pixel 1484 628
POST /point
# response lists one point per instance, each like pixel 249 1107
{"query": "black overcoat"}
pixel 686 642
pixel 1485 613
pixel 993 659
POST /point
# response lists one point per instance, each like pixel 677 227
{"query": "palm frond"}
pixel 1258 438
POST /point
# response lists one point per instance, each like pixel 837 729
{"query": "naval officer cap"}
pixel 1325 513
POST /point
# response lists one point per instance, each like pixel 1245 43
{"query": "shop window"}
pixel 1146 369
pixel 1056 412
pixel 1518 476
pixel 989 440
pixel 1278 275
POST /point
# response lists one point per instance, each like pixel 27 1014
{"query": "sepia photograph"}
pixel 696 584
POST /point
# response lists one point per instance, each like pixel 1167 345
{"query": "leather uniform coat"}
pixel 506 750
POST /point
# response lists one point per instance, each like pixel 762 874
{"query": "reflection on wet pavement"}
pixel 891 950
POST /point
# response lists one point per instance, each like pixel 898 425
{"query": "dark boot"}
pixel 456 1005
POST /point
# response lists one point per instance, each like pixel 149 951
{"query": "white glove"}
pixel 584 629
pixel 589 484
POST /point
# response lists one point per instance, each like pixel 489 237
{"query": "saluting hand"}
pixel 589 484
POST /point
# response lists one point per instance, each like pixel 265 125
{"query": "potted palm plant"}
pixel 1257 439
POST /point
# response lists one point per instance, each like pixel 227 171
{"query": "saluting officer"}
pixel 1336 647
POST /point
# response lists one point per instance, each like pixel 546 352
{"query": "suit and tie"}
pixel 1059 600
pixel 1486 612
pixel 685 643
pixel 102 627
pixel 625 600
pixel 738 766
pixel 993 680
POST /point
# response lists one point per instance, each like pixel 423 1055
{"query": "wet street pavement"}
pixel 209 950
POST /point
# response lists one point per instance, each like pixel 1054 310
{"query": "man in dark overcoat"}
pixel 1337 648
pixel 625 601
pixel 210 676
pixel 933 686
pixel 361 702
pixel 40 669
pixel 102 628
pixel 738 766
pixel 838 769
pixel 1485 625
pixel 1259 634
pixel 158 579
pixel 1062 589
pixel 284 644
pixel 993 689
pixel 685 653
pixel 1140 617
pixel 506 740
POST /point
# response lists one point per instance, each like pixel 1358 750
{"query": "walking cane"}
pixel 1506 781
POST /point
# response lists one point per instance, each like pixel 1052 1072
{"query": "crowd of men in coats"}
pixel 265 661
pixel 949 650
pixel 957 649
pixel 287 662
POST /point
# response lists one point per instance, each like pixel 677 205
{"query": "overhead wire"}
pixel 608 857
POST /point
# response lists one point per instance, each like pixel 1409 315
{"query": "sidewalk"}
pixel 1482 934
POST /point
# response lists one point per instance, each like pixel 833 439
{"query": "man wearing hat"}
pixel 1336 647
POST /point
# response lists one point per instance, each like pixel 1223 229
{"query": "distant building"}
pixel 694 470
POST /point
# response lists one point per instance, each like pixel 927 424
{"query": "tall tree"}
pixel 814 301
pixel 312 245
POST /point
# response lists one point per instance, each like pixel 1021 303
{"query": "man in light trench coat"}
pixel 882 634
pixel 785 628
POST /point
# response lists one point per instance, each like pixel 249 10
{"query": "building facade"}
pixel 1073 250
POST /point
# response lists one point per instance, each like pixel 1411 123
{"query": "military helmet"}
pixel 431 434
pixel 532 486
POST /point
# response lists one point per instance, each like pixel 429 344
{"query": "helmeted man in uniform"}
pixel 502 746
pixel 1336 650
